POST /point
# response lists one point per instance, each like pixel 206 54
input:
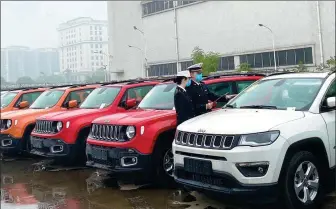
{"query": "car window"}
pixel 221 89
pixel 332 90
pixel 79 95
pixel 47 99
pixel 7 98
pixel 137 93
pixel 100 98
pixel 161 97
pixel 241 85
pixel 29 97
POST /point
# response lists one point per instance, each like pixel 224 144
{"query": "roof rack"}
pixel 227 74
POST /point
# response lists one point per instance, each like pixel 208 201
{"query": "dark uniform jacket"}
pixel 183 105
pixel 200 96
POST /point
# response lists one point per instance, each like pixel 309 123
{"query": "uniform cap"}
pixel 195 67
pixel 184 73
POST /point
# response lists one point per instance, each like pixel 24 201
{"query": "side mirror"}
pixel 131 103
pixel 23 104
pixel 72 104
pixel 331 102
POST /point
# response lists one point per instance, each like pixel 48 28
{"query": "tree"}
pixel 25 80
pixel 301 67
pixel 331 62
pixel 244 67
pixel 210 60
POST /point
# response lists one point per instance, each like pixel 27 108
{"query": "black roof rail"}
pixel 281 73
pixel 60 86
pixel 228 74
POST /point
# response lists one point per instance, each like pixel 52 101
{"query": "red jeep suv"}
pixel 140 141
pixel 62 135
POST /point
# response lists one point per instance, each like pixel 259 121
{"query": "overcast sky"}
pixel 34 23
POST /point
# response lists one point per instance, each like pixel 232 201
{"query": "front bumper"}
pixel 117 160
pixel 226 173
pixel 52 148
pixel 9 144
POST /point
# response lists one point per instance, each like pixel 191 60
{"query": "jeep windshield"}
pixel 283 93
pixel 100 98
pixel 161 97
pixel 7 98
pixel 47 99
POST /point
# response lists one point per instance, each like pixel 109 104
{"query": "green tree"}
pixel 25 80
pixel 301 67
pixel 244 67
pixel 210 60
pixel 331 62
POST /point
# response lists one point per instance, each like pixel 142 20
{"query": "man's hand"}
pixel 209 106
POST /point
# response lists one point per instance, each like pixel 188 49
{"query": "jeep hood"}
pixel 135 117
pixel 24 113
pixel 67 115
pixel 239 121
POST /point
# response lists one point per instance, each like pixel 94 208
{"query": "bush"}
pixel 210 60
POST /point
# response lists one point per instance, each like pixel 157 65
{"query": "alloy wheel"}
pixel 168 162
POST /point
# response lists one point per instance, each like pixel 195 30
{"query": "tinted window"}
pixel 241 85
pixel 161 97
pixel 221 89
pixel 79 95
pixel 29 97
pixel 332 90
pixel 100 98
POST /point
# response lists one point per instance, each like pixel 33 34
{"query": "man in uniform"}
pixel 199 93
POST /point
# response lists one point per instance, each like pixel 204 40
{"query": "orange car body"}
pixel 18 96
pixel 14 138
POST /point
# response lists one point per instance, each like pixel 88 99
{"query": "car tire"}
pixel 161 176
pixel 302 182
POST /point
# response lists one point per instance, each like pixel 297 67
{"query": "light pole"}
pixel 275 63
pixel 144 68
pixel 145 49
pixel 109 62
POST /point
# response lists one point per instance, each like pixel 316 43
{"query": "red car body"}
pixel 154 129
pixel 69 142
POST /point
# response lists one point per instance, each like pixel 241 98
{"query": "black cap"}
pixel 195 67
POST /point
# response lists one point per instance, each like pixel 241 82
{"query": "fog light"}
pixel 253 169
pixel 6 142
pixel 56 149
pixel 128 161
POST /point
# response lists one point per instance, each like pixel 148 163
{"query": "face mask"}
pixel 199 77
pixel 188 83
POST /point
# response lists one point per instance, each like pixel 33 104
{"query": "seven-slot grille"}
pixel 210 141
pixel 44 126
pixel 106 132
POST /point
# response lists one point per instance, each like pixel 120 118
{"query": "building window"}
pixel 181 3
pixel 162 69
pixel 186 64
pixel 156 6
pixel 100 39
pixel 226 63
pixel 283 57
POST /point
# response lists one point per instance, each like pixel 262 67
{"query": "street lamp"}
pixel 145 47
pixel 143 53
pixel 109 62
pixel 275 63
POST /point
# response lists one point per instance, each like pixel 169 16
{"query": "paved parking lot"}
pixel 82 189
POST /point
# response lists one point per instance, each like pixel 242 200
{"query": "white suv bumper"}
pixel 226 162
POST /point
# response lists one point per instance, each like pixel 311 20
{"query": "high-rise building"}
pixel 19 61
pixel 304 31
pixel 83 45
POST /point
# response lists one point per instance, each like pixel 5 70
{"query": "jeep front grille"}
pixel 45 127
pixel 208 141
pixel 106 132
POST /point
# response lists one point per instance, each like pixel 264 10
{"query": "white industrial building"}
pixel 83 45
pixel 167 32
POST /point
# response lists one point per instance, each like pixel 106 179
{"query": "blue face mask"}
pixel 188 83
pixel 199 77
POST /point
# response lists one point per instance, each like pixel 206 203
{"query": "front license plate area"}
pixel 198 166
pixel 100 154
pixel 36 143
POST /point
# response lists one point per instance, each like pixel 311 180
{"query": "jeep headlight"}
pixel 258 139
pixel 130 132
pixel 59 126
pixel 8 123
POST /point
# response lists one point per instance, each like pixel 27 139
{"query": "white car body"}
pixel 293 126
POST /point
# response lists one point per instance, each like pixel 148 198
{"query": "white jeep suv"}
pixel 274 139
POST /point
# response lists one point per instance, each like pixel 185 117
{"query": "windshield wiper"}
pixel 259 107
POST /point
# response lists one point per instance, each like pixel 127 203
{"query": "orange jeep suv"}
pixel 20 98
pixel 16 126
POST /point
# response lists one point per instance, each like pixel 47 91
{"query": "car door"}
pixel 329 118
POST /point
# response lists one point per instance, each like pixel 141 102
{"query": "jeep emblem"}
pixel 201 131
pixel 106 121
